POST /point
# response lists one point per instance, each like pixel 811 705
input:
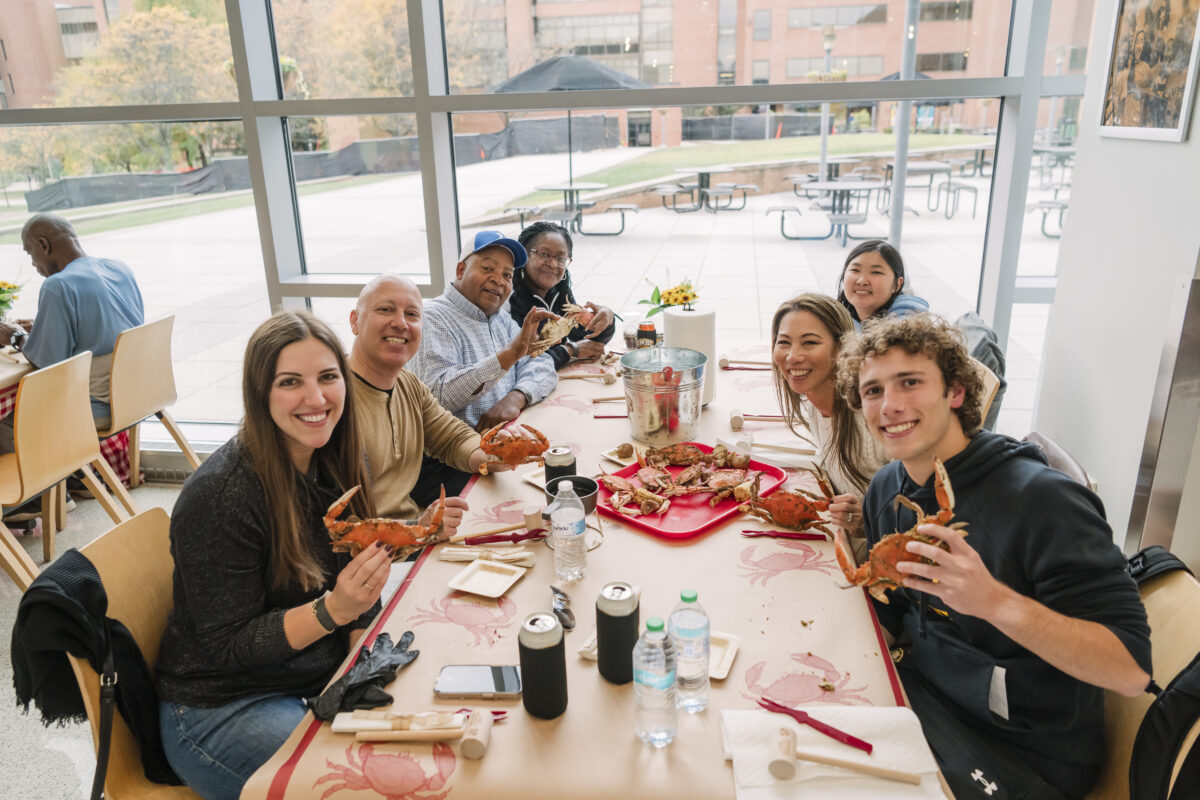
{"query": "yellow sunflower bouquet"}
pixel 684 294
pixel 8 295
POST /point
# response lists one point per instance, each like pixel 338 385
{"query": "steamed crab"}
pixel 558 329
pixel 353 535
pixel 878 573
pixel 506 448
pixel 624 492
pixel 797 510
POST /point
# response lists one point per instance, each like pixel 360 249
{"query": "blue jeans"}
pixel 216 750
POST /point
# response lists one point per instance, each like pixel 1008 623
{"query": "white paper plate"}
pixel 487 578
pixel 612 456
pixel 722 649
pixel 535 477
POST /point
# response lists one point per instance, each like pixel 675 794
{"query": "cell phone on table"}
pixel 478 681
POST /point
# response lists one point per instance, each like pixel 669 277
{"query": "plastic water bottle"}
pixel 654 685
pixel 689 631
pixel 568 527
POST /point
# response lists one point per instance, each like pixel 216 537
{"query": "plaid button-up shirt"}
pixel 458 358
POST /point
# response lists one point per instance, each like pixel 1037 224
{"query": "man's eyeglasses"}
pixel 562 261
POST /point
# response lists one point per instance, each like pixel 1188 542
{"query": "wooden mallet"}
pixel 607 377
pixel 725 362
pixel 784 755
pixel 533 519
pixel 737 419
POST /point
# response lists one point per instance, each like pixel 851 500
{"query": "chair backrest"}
pixel 1171 600
pixel 135 565
pixel 991 383
pixel 1060 459
pixel 54 432
pixel 142 380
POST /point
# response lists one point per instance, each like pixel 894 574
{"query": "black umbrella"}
pixel 567 74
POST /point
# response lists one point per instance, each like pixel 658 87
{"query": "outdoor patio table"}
pixel 804 639
pixel 930 168
pixel 1054 155
pixel 572 208
pixel 703 183
pixel 843 194
pixel 979 160
pixel 834 164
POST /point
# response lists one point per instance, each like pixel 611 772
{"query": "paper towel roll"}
pixel 695 330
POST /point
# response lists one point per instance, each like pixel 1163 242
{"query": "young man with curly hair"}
pixel 1030 613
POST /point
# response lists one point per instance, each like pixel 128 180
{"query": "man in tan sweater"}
pixel 413 444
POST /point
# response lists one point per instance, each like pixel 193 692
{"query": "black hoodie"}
pixel 1045 536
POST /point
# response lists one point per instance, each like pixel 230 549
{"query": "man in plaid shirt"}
pixel 473 356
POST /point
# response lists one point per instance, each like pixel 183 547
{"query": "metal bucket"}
pixel 663 386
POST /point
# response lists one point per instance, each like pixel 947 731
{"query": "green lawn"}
pixel 662 162
pixel 147 216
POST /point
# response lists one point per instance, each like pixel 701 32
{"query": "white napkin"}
pixel 510 554
pixel 895 733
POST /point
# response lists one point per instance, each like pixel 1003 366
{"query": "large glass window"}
pixel 190 235
pixel 358 186
pixel 346 48
pixel 717 43
pixel 136 54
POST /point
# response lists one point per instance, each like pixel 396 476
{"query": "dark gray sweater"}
pixel 224 638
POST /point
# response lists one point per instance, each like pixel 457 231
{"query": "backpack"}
pixel 984 347
pixel 1158 747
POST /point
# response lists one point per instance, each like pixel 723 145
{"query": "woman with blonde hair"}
pixel 806 336
pixel 264 610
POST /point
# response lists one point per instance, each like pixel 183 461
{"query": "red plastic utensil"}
pixel 537 533
pixel 804 719
pixel 810 537
pixel 498 714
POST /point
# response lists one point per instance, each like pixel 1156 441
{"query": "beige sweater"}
pixel 397 429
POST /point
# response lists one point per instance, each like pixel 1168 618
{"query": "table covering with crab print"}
pixel 804 639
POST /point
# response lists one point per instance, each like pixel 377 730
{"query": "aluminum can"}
pixel 646 335
pixel 543 665
pixel 617 613
pixel 560 463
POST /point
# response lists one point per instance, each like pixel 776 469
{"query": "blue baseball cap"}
pixel 484 239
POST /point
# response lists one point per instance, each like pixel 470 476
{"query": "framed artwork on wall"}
pixel 1152 63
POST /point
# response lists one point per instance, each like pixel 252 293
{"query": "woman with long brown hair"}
pixel 264 610
pixel 806 335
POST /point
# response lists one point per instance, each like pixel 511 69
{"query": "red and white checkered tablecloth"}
pixel 115 448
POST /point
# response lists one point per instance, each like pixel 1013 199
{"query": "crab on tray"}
pixel 682 490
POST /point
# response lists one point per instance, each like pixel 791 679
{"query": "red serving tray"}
pixel 689 515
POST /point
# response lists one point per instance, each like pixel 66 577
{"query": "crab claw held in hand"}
pixel 353 535
pixel 512 450
pixel 879 573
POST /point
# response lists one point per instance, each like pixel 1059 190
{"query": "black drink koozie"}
pixel 544 680
pixel 615 640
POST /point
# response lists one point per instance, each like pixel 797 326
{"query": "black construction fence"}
pixel 399 154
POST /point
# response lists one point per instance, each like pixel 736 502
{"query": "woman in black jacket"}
pixel 545 283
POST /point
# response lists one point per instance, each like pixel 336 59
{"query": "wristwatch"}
pixel 324 618
pixel 573 348
pixel 17 339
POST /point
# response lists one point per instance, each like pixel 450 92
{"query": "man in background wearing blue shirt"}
pixel 84 303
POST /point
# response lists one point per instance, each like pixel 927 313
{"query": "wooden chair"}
pixel 135 566
pixel 54 437
pixel 1171 600
pixel 991 383
pixel 143 385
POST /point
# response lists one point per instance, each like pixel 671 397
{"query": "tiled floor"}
pixel 207 270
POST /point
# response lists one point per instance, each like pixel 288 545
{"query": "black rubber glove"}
pixel 362 686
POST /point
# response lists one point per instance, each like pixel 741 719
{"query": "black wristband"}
pixel 17 339
pixel 323 616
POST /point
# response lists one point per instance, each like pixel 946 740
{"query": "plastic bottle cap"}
pixel 688 595
pixel 654 624
pixel 564 486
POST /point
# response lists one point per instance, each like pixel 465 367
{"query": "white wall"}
pixel 1133 231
